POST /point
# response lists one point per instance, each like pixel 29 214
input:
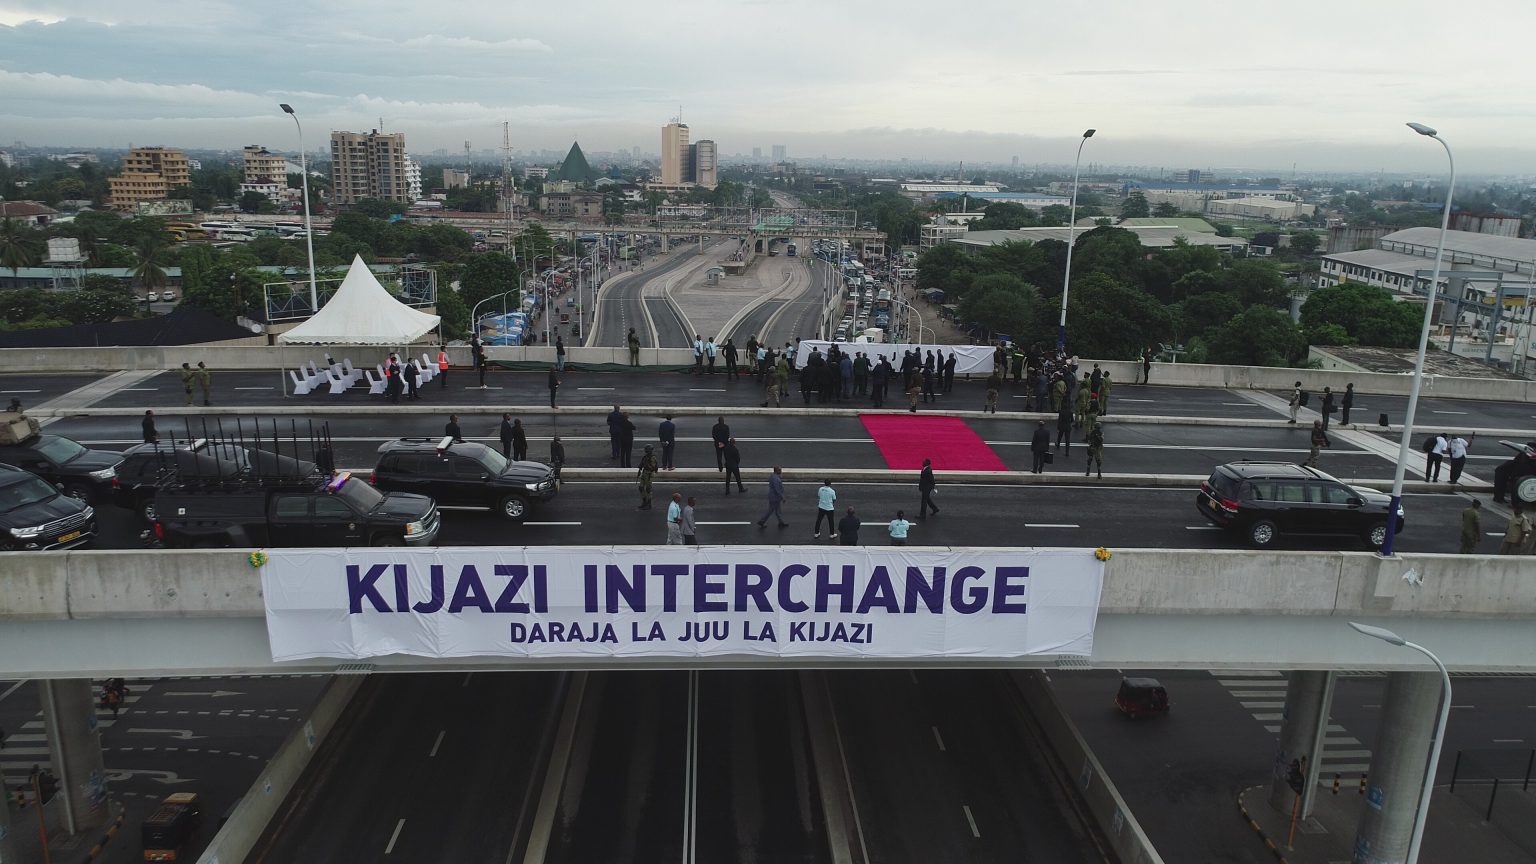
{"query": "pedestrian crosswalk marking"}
pixel 19 760
pixel 1341 753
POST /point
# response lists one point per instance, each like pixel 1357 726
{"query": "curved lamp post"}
pixel 309 231
pixel 1066 281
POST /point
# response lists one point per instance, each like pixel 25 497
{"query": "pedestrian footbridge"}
pixel 201 612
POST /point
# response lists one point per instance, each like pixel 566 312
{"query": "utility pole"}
pixel 506 172
pixel 468 160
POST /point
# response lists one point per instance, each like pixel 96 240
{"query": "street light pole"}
pixel 309 230
pixel 1418 363
pixel 1066 281
pixel 1417 838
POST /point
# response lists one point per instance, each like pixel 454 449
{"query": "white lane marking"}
pixel 12 689
pixel 1123 399
pixel 546 524
pixel 1450 412
pixel 1244 404
pixel 137 389
pixel 1202 527
pixel 395 836
pixel 939 739
pixel 20 391
pixel 253 388
pixel 706 389
pixel 1048 525
pixel 971 819
pixel 724 523
pixel 594 388
pixel 1509 740
pixel 1263 704
pixel 438 743
pixel 467 676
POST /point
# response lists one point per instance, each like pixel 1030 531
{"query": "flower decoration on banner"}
pixel 1103 554
pixel 257 558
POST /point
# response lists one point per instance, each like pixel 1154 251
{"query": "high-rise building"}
pixel 264 166
pixel 412 179
pixel 705 164
pixel 757 154
pixel 368 165
pixel 674 154
pixel 780 152
pixel 149 174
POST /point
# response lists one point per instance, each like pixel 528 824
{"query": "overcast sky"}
pixel 1325 85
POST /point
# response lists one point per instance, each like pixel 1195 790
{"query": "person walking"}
pixel 392 387
pixel 148 423
pixel 442 367
pixel 880 382
pixel 1084 397
pixel 732 466
pixel 675 520
pixel 1434 456
pixel 949 373
pixel 1457 450
pixel 689 527
pixel 560 353
pixel 1471 527
pixel 1064 430
pixel 720 433
pixel 554 386
pixel 188 377
pixel 633 341
pixel 845 376
pixel 1517 532
pixel 556 456
pixel 1297 398
pixel 615 419
pixel 994 384
pixel 519 441
pixel 1040 447
pixel 1095 452
pixel 925 486
pixel 506 435
pixel 1347 403
pixel 898 529
pixel 412 377
pixel 775 499
pixel 1328 406
pixel 477 349
pixel 666 433
pixel 826 508
pixel 1059 395
pixel 1095 379
pixel 1146 365
pixel 929 384
pixel 732 370
pixel 914 390
pixel 646 476
pixel 626 441
pixel 451 429
pixel 848 529
pixel 1319 441
pixel 205 381
pixel 1104 385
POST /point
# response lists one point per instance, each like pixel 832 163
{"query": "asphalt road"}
pixel 206 735
pixel 1188 768
pixel 618 302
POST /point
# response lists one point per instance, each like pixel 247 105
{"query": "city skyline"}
pixel 1326 87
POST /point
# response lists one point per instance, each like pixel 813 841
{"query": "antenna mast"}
pixel 506 169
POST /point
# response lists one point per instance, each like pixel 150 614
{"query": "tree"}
pixel 486 275
pixel 455 315
pixel 1223 229
pixel 378 208
pixel 1003 216
pixel 1114 252
pixel 1135 207
pixel 94 306
pixel 147 269
pixel 1055 215
pixel 102 282
pixel 19 245
pixel 252 201
pixel 1109 319
pixel 1165 210
pixel 1305 242
pixel 946 268
pixel 1260 336
pixel 1257 282
pixel 1198 313
pixel 1012 310
pixel 1367 314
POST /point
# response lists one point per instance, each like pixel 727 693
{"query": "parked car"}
pixel 1517 477
pixel 35 516
pixel 1138 697
pixel 463 474
pixel 152 296
pixel 146 467
pixel 1263 501
pixel 167 296
pixel 80 471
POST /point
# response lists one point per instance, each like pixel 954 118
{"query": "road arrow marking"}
pixel 183 734
pixel 118 775
pixel 214 693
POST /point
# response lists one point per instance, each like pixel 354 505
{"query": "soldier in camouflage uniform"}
pixel 647 473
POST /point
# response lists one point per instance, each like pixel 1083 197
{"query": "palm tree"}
pixel 150 251
pixel 18 248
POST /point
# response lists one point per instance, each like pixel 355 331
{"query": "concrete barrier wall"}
pixel 1094 788
pixel 21 360
pixel 221 583
pixel 255 811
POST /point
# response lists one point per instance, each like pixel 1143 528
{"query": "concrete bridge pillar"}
pixel 69 716
pixel 1304 724
pixel 1408 713
pixel 7 839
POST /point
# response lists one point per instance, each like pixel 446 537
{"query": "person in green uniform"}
pixel 1095 451
pixel 1471 527
pixel 647 473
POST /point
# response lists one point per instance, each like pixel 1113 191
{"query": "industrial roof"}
pixel 1007 196
pixel 1199 187
pixel 1511 248
pixel 1183 223
pixel 1407 265
pixel 1153 237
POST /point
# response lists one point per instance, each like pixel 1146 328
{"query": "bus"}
pixel 789 249
pixel 883 301
pixel 227 231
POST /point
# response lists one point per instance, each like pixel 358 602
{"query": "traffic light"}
pixel 47 787
pixel 1294 777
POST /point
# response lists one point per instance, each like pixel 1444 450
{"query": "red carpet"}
pixel 905 440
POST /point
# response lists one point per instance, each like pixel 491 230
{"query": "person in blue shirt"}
pixel 826 508
pixel 675 520
pixel 899 528
pixel 775 498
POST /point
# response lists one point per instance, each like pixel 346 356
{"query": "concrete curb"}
pixel 1274 848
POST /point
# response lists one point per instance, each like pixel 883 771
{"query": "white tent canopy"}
pixel 361 312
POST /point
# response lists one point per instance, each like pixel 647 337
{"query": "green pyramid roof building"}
pixel 575 168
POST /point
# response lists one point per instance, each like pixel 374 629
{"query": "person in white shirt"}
pixel 899 528
pixel 1435 457
pixel 675 520
pixel 1458 453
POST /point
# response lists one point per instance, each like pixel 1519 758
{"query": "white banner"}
pixel 969 359
pixel 677 601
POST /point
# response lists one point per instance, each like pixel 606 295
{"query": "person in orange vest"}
pixel 442 365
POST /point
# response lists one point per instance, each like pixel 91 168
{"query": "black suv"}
pixel 34 516
pixel 83 473
pixel 1263 500
pixel 465 474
